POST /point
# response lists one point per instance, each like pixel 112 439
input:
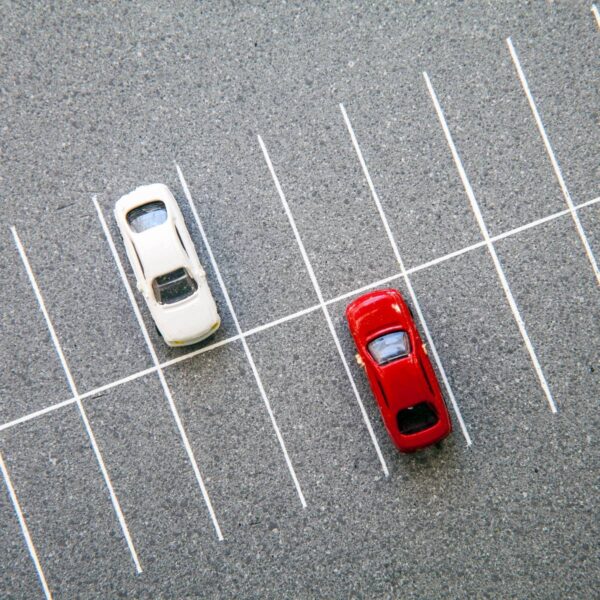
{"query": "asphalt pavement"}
pixel 252 468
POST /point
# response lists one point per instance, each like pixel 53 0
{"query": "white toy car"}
pixel 166 266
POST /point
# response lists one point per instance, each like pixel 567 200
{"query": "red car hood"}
pixel 373 315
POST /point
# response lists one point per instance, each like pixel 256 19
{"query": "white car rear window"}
pixel 174 286
pixel 147 216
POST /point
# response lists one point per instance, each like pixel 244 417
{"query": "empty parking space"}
pixel 330 200
pixel 166 514
pixel 61 489
pixel 240 211
pixel 84 299
pixel 31 376
pixel 569 117
pixel 562 317
pixel 411 171
pixel 317 410
pixel 496 136
pixel 232 436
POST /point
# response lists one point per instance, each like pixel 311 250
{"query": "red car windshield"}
pixel 389 347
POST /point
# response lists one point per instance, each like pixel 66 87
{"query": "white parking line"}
pixel 122 381
pixel 560 213
pixel 163 382
pixel 488 241
pixel 244 343
pixel 71 382
pixel 365 288
pixel 24 529
pixel 315 283
pixel 285 319
pixel 450 255
pixel 555 166
pixel 409 286
pixel 311 309
pixel 37 413
pixel 194 353
pixel 596 14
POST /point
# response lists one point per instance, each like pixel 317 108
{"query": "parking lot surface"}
pixel 317 150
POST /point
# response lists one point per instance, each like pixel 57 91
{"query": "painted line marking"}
pixel 311 309
pixel 122 381
pixel 282 320
pixel 257 377
pixel 596 14
pixel 542 220
pixel 411 290
pixel 322 304
pixel 163 381
pixel 77 398
pixel 25 529
pixel 193 354
pixel 37 413
pixel 465 250
pixel 555 165
pixel 488 241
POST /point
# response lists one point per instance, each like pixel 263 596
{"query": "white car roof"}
pixel 160 250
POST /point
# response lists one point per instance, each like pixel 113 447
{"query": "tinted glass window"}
pixel 173 287
pixel 416 418
pixel 389 347
pixel 147 216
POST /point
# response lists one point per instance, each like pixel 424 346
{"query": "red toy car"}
pixel 400 373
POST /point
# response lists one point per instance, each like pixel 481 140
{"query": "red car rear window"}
pixel 416 418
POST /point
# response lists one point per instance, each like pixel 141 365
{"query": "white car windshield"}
pixel 147 216
pixel 389 347
pixel 174 286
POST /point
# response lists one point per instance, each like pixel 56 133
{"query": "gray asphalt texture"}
pixel 96 100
